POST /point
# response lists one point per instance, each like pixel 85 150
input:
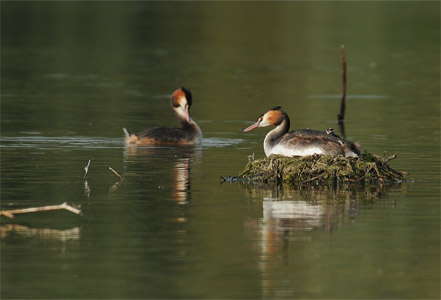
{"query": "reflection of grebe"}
pixel 292 215
pixel 177 162
pixel 300 142
pixel 181 180
pixel 291 219
pixel 189 134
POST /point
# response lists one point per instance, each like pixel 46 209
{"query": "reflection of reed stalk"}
pixel 11 213
pixel 87 189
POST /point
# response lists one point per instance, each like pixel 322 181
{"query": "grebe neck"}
pixel 280 130
pixel 190 124
pixel 192 128
pixel 274 135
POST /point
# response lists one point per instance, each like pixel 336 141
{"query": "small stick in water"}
pixel 390 158
pixel 11 213
pixel 116 173
pixel 86 169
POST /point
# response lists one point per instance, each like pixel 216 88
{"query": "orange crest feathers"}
pixel 180 94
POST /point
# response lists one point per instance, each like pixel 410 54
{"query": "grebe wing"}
pixel 331 144
pixel 308 138
pixel 317 133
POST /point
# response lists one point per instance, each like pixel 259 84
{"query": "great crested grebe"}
pixel 188 134
pixel 300 142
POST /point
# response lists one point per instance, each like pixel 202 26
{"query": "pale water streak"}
pixel 44 142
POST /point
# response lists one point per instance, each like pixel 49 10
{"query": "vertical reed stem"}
pixel 341 115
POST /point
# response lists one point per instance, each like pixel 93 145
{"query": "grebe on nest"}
pixel 300 142
pixel 188 134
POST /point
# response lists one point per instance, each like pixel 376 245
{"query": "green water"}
pixel 74 74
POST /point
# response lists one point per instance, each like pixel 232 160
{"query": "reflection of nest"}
pixel 290 209
pixel 326 195
pixel 320 169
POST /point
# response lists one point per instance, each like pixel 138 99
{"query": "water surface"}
pixel 74 74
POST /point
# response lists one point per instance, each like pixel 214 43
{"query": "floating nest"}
pixel 320 169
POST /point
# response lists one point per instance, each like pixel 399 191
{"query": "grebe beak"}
pixel 254 126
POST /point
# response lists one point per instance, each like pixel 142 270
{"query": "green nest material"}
pixel 320 169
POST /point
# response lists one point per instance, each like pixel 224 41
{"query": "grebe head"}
pixel 330 131
pixel 272 117
pixel 181 101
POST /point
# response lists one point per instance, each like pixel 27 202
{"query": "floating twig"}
pixel 116 173
pixel 86 169
pixel 390 158
pixel 315 178
pixel 117 184
pixel 11 213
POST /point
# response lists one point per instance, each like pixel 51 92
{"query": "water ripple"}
pixel 61 141
pixel 220 142
pixel 91 142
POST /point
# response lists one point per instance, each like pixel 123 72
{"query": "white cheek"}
pixel 180 111
pixel 264 123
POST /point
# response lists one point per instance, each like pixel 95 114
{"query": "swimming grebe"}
pixel 300 142
pixel 189 134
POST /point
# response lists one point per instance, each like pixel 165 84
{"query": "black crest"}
pixel 187 93
pixel 274 108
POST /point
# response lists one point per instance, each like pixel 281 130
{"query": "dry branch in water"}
pixel 11 213
pixel 117 184
pixel 116 173
pixel 86 169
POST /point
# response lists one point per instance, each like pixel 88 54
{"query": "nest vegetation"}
pixel 320 169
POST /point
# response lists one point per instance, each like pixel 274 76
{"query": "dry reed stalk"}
pixel 11 213
pixel 341 115
pixel 116 173
pixel 86 169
